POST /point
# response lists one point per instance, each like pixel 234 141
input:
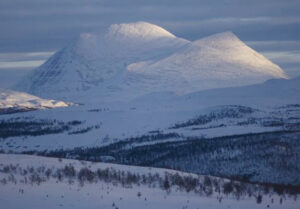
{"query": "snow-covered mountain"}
pixel 220 60
pixel 13 101
pixel 129 60
pixel 212 106
pixel 93 59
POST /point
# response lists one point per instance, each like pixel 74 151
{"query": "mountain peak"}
pixel 138 30
pixel 225 38
pixel 225 35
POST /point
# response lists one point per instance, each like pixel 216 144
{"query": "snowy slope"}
pixel 218 61
pixel 24 184
pixel 272 93
pixel 22 101
pixel 129 60
pixel 160 111
pixel 93 59
pixel 264 116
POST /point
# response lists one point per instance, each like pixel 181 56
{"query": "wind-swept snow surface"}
pixel 13 101
pixel 128 60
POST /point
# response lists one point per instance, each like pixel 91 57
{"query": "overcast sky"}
pixel 269 26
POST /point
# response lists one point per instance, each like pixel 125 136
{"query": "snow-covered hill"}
pixel 272 93
pixel 129 60
pixel 30 182
pixel 13 101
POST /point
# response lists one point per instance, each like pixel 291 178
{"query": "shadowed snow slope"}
pixel 274 92
pixel 19 100
pixel 128 60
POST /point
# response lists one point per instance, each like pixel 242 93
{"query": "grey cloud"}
pixel 47 25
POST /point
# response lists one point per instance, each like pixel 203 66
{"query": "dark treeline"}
pixel 266 157
pixel 34 127
pixel 229 111
pixel 202 185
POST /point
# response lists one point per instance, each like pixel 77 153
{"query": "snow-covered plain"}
pixel 23 190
